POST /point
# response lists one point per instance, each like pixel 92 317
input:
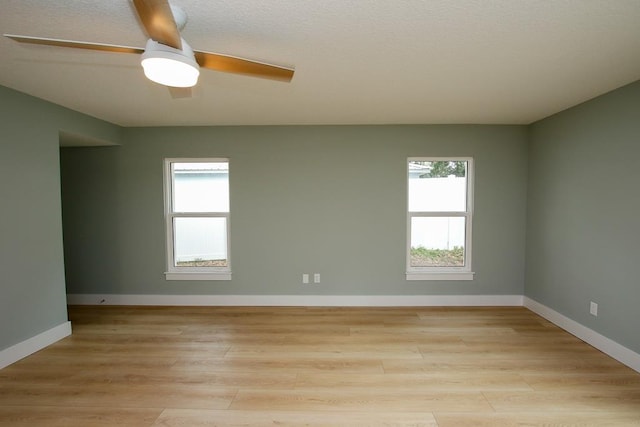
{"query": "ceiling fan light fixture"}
pixel 168 66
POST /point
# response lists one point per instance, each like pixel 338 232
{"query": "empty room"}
pixel 345 213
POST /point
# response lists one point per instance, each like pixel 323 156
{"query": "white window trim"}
pixel 443 273
pixel 190 273
pixel 197 276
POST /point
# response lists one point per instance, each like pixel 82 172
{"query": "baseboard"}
pixel 298 300
pixel 602 343
pixel 25 348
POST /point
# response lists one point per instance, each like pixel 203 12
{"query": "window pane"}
pixel 437 242
pixel 200 242
pixel 437 186
pixel 200 187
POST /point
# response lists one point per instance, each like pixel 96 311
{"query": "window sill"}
pixel 451 275
pixel 197 276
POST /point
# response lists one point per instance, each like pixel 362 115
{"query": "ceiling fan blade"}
pixel 158 21
pixel 74 44
pixel 233 64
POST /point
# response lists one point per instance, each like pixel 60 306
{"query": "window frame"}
pixel 443 273
pixel 174 272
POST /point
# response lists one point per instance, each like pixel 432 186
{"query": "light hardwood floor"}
pixel 234 366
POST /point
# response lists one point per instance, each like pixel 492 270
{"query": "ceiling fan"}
pixel 167 58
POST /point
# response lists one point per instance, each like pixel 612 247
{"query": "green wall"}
pixel 583 207
pixel 328 199
pixel 32 294
pixel 306 199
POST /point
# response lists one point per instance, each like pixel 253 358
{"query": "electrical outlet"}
pixel 305 278
pixel 316 278
pixel 593 309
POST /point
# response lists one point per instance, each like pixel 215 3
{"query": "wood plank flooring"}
pixel 238 366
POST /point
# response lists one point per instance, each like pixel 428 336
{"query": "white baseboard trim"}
pixel 25 348
pixel 602 343
pixel 298 300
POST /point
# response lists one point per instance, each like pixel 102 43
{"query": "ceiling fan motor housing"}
pixel 169 66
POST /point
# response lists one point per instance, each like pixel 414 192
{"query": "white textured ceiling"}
pixel 356 61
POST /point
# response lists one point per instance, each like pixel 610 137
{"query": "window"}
pixel 197 219
pixel 439 217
